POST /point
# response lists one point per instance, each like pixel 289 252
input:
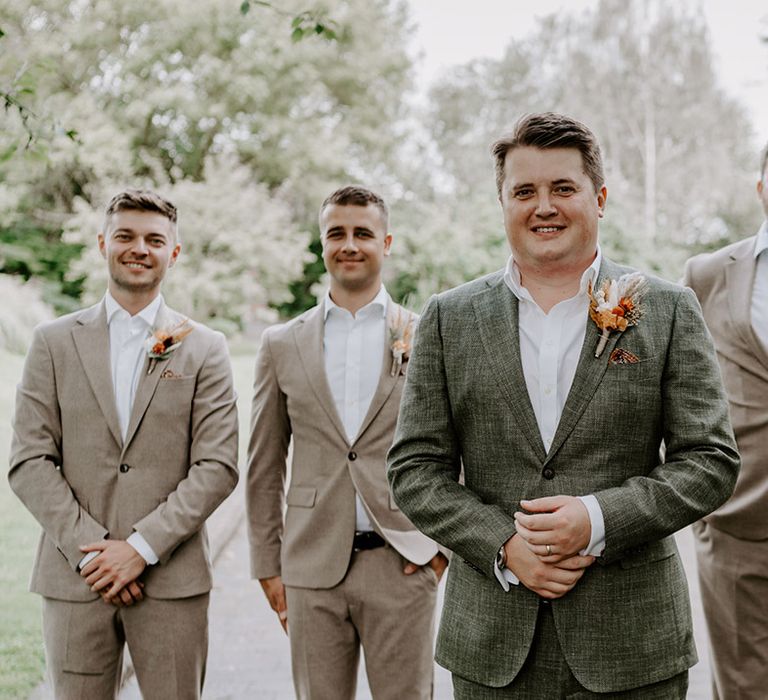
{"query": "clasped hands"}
pixel 544 553
pixel 113 573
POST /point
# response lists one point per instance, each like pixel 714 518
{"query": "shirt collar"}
pixel 761 241
pixel 148 314
pixel 512 276
pixel 381 300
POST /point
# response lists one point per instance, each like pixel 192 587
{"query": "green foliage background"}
pixel 250 113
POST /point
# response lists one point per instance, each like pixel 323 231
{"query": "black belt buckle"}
pixel 368 539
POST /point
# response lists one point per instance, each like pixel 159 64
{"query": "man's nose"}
pixel 139 246
pixel 350 243
pixel 545 206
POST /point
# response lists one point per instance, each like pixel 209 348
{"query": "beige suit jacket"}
pixel 305 535
pixel 723 282
pixel 82 482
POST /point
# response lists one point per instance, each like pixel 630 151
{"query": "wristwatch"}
pixel 501 558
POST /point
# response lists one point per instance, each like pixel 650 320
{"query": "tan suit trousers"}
pixel 168 641
pixel 733 574
pixel 375 606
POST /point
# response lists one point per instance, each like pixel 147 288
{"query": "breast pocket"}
pixel 644 370
pixel 174 396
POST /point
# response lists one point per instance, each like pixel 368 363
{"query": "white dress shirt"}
pixel 126 356
pixel 550 346
pixel 353 347
pixel 759 308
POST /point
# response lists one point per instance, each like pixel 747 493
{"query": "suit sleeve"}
pixel 35 474
pixel 701 462
pixel 212 454
pixel 267 453
pixel 688 276
pixel 424 463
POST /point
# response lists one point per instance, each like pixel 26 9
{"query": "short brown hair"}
pixel 141 200
pixel 551 130
pixel 355 195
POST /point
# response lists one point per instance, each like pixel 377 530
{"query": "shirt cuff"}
pixel 88 557
pixel 505 577
pixel 597 539
pixel 142 547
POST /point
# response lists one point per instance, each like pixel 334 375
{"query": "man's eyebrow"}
pixel 558 181
pixel 128 229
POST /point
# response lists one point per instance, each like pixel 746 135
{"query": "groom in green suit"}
pixel 584 403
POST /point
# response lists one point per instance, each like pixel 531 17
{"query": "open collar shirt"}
pixel 127 336
pixel 550 346
pixel 353 352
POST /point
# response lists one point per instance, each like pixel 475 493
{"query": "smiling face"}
pixel 139 247
pixel 551 210
pixel 355 242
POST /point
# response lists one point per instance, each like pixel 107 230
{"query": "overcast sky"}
pixel 454 31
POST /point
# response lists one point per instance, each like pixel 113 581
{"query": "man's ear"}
pixel 174 255
pixel 102 245
pixel 602 197
pixel 387 243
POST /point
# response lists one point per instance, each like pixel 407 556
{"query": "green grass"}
pixel 22 661
pixel 21 644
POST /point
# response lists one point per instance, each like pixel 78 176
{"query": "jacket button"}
pixel 352 456
pixel 124 468
pixel 548 473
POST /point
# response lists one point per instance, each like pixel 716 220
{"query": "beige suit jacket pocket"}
pixel 302 496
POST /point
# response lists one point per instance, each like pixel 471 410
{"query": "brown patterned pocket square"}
pixel 170 374
pixel 620 356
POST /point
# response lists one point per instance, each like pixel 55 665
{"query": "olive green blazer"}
pixel 627 622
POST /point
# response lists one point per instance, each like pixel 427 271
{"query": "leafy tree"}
pixel 158 96
pixel 240 247
pixel 676 148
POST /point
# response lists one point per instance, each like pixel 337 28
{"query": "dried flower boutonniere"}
pixel 163 342
pixel 400 340
pixel 616 305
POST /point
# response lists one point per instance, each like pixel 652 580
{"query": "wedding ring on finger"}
pixel 549 550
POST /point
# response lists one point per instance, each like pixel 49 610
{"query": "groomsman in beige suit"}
pixel 339 563
pixel 125 440
pixel 732 543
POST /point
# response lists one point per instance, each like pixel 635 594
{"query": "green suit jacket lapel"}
pixel 496 312
pixel 590 369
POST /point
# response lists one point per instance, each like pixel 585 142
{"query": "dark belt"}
pixel 367 540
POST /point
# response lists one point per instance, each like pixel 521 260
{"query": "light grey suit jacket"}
pixel 627 621
pixel 723 282
pixel 83 482
pixel 311 546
